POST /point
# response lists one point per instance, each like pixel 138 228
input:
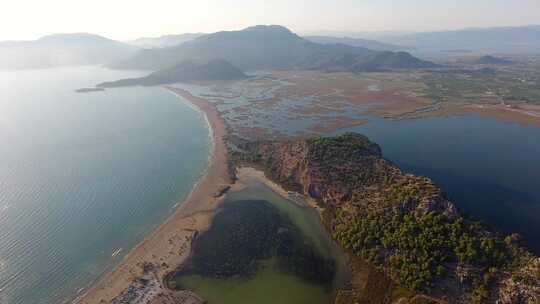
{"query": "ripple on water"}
pixel 85 175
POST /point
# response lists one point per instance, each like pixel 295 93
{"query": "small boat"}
pixel 116 252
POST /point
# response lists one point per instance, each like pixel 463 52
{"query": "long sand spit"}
pixel 169 246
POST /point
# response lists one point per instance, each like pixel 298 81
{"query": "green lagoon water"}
pixel 270 285
pixel 85 176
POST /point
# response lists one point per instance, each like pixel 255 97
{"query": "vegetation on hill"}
pixel 268 47
pixel 399 222
pixel 186 71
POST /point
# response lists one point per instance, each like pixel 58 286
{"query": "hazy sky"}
pixel 126 19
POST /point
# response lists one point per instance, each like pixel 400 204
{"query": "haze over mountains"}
pixel 175 40
pixel 510 40
pixel 271 47
pixel 164 41
pixel 186 71
pixel 488 59
pixel 358 42
pixel 268 47
pixel 62 50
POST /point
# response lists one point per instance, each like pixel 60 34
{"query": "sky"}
pixel 129 19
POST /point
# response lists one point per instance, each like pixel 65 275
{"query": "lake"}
pixel 85 177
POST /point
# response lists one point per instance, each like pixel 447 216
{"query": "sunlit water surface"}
pixel 84 177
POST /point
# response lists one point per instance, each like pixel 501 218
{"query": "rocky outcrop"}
pixel 402 224
pixel 351 169
pixel 523 286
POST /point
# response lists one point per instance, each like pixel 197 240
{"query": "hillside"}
pixel 186 71
pixel 400 223
pixel 376 61
pixel 62 50
pixel 254 48
pixel 356 42
pixel 164 41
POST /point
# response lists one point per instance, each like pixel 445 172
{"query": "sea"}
pixel 85 176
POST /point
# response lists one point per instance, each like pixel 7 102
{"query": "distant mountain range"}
pixel 164 41
pixel 270 47
pixel 373 62
pixel 217 69
pixel 511 40
pixel 365 43
pixel 62 50
pixel 175 40
pixel 488 59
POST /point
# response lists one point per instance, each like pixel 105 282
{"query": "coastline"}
pixel 170 244
pixel 244 173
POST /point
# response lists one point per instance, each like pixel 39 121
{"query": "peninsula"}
pixel 406 242
pixel 424 249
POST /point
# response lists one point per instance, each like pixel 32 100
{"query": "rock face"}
pixel 400 223
pixel 345 170
pixel 523 286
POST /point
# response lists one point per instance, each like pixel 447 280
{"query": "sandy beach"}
pixel 244 174
pixel 169 246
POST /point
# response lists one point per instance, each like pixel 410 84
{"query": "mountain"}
pixel 512 40
pixel 376 61
pixel 164 41
pixel 357 42
pixel 254 48
pixel 62 50
pixel 492 60
pixel 217 69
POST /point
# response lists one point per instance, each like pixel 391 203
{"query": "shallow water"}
pixel 84 177
pixel 269 284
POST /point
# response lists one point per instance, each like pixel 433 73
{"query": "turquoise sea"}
pixel 85 177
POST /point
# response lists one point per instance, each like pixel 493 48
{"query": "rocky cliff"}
pixel 399 223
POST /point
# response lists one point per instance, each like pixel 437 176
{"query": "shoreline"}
pixel 169 246
pixel 244 173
